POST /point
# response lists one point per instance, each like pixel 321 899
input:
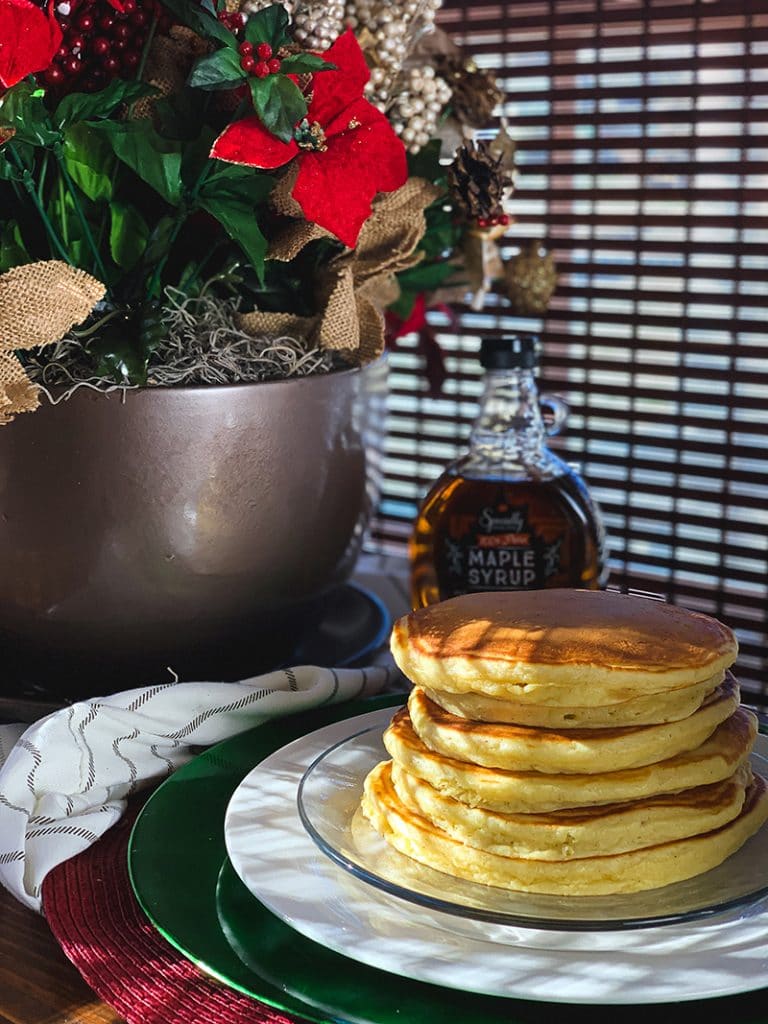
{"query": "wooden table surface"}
pixel 38 985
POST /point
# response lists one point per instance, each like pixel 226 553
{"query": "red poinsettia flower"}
pixel 28 40
pixel 346 149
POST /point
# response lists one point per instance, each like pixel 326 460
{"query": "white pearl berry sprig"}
pixel 254 6
pixel 388 31
pixel 418 105
pixel 318 23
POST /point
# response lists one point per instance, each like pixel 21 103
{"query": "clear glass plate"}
pixel 328 804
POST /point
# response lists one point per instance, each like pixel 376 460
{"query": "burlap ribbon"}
pixel 355 287
pixel 169 63
pixel 39 303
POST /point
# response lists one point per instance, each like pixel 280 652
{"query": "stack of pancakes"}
pixel 567 742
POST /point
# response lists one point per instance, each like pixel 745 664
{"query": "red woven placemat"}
pixel 91 910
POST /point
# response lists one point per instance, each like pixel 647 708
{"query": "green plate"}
pixel 185 885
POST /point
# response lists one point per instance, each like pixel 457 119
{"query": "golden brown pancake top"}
pixel 567 627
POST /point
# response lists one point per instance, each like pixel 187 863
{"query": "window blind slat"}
pixel 642 165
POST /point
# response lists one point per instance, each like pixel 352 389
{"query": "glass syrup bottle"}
pixel 508 515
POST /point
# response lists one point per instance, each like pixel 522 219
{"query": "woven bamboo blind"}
pixel 642 131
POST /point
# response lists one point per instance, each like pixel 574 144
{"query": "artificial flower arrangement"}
pixel 198 191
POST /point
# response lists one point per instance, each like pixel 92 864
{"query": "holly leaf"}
pixel 128 235
pixel 157 161
pixel 425 277
pixel 201 20
pixel 278 103
pixel 123 347
pixel 269 25
pixel 237 218
pixel 219 70
pixel 442 234
pixel 303 63
pixel 82 106
pixel 90 161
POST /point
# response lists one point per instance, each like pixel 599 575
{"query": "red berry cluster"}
pixel 234 21
pixel 258 60
pixel 99 43
pixel 489 222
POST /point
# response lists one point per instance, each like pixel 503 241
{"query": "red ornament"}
pixel 29 39
pixel 347 153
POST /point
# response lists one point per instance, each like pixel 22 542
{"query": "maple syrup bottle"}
pixel 508 515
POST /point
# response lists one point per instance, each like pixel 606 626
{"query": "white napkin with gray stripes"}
pixel 65 779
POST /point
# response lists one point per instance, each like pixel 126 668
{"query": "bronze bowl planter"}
pixel 187 527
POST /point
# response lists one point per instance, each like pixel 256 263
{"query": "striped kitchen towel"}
pixel 65 779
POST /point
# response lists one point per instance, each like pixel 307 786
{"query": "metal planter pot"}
pixel 183 527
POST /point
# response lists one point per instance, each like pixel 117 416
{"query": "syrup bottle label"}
pixel 499 550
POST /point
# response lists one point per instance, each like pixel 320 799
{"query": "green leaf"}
pixel 302 63
pixel 22 108
pixel 269 25
pixel 159 240
pixel 157 161
pixel 196 156
pixel 402 307
pixel 279 104
pixel 426 163
pixel 219 70
pixel 244 184
pixel 82 106
pixel 128 235
pixel 425 277
pixel 13 252
pixel 238 220
pixel 201 20
pixel 7 171
pixel 90 161
pixel 123 346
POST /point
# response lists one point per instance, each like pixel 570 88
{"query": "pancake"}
pixel 633 871
pixel 580 832
pixel 560 647
pixel 652 709
pixel 533 791
pixel 523 748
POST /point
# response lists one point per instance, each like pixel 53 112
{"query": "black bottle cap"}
pixel 509 352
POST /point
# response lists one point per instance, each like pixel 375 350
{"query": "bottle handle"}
pixel 554 413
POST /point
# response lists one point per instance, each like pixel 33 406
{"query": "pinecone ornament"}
pixel 475 92
pixel 479 181
pixel 418 105
pixel 530 279
pixel 318 23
